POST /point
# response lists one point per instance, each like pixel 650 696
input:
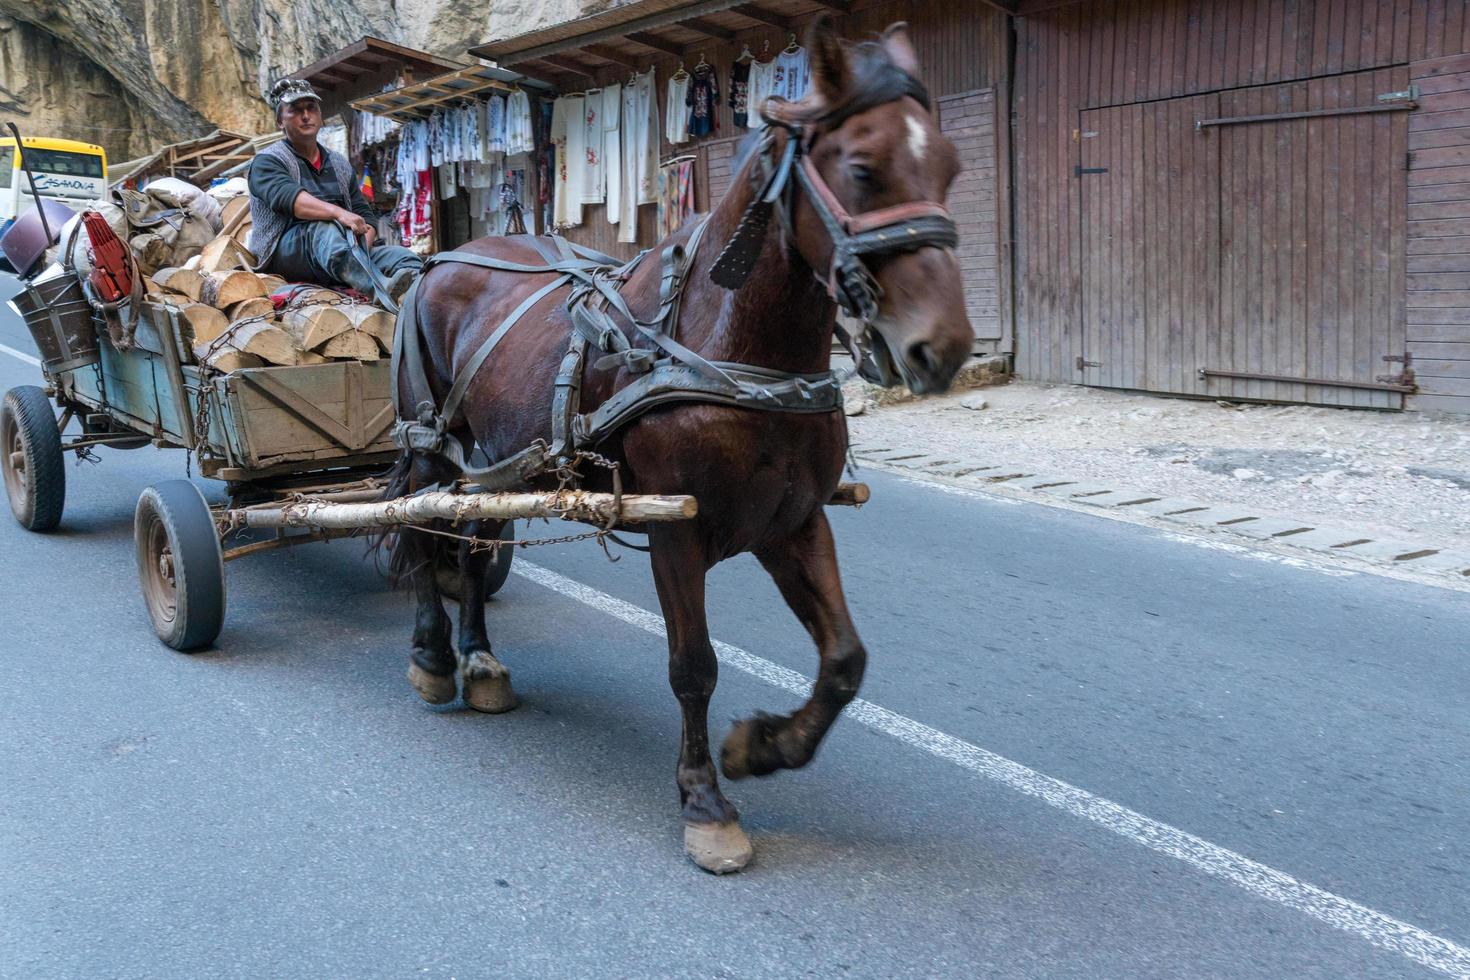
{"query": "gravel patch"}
pixel 1405 474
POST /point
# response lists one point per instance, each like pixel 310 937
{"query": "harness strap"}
pixel 472 366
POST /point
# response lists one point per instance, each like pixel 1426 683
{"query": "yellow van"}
pixel 67 171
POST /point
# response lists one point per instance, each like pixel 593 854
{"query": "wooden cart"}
pixel 287 442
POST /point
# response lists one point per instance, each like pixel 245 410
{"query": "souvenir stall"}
pixel 461 149
pixel 652 99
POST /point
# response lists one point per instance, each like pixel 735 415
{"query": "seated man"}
pixel 301 194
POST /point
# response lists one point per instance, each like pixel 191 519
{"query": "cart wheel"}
pixel 180 564
pixel 447 572
pixel 31 458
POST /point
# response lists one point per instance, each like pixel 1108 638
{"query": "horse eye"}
pixel 862 173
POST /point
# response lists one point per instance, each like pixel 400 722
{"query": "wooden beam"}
pixel 836 6
pixel 701 26
pixel 567 64
pixel 655 42
pixel 611 54
pixel 762 16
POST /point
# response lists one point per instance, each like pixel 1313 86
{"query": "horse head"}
pixel 872 223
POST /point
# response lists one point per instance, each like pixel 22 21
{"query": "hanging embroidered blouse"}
pixel 703 96
pixel 740 93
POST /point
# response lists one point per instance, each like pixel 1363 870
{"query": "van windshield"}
pixel 7 164
pixel 63 162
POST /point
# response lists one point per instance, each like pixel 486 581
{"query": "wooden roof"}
pixel 629 34
pixel 416 101
pixel 370 56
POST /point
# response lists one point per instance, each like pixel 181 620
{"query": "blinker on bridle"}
pixel 893 230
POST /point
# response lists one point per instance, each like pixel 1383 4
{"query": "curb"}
pixel 1409 555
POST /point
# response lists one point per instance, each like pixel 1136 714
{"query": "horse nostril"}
pixel 923 357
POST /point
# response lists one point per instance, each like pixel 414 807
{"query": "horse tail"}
pixel 390 541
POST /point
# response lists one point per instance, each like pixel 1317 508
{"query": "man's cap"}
pixel 289 90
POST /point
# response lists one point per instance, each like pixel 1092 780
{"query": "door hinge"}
pixel 1082 365
pixel 1407 95
pixel 1404 377
pixel 1091 170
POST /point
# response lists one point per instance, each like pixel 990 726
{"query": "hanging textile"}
pixel 703 97
pixel 676 196
pixel 569 135
pixel 518 132
pixel 640 153
pixel 494 125
pixel 740 93
pixel 436 137
pixel 762 87
pixel 793 74
pixel 676 114
pixel 612 150
pixel 593 189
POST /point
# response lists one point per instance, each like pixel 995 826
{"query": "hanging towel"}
pixel 612 150
pixel 676 113
pixel 593 188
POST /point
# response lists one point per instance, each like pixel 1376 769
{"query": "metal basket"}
pixel 61 322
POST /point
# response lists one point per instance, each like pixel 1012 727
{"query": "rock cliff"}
pixel 133 74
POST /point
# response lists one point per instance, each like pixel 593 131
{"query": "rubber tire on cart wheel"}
pixel 31 458
pixel 181 566
pixel 447 572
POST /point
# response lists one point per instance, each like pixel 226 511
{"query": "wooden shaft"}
pixel 850 495
pixel 574 505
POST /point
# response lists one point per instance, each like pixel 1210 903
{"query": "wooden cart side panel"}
pixel 310 413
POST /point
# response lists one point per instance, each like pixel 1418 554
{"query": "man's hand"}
pixel 371 238
pixel 358 225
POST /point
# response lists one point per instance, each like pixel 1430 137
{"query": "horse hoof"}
pixel 487 684
pixel 433 688
pixel 719 848
pixel 749 749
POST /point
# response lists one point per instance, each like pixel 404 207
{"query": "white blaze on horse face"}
pixel 918 137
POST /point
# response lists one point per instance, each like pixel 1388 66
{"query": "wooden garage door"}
pixel 968 119
pixel 1227 240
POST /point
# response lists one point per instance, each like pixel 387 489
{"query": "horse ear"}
pixel 900 49
pixel 828 60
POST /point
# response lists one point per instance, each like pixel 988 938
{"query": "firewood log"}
pixel 312 326
pixel 179 280
pixel 227 360
pixel 261 338
pixel 225 289
pixel 201 323
pixel 352 345
pixel 372 321
pixel 224 254
pixel 254 306
pixel 270 282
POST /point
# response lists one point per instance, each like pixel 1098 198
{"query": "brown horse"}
pixel 761 478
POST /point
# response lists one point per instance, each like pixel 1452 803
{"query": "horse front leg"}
pixel 712 835
pixel 805 569
pixel 431 665
pixel 486 681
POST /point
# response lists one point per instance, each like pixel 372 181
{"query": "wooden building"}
pixel 1247 199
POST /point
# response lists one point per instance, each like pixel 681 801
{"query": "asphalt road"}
pixel 1229 734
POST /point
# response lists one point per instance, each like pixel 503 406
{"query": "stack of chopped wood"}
pixel 230 322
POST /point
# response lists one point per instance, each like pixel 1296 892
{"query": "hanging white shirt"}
pixel 793 74
pixel 518 134
pixel 612 150
pixel 640 152
pixel 593 189
pixel 676 114
pixel 762 87
pixel 569 134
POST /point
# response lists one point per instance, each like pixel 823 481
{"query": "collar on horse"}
pixel 670 372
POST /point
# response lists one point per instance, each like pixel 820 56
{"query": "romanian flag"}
pixel 367 183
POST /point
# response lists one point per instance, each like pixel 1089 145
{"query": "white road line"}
pixel 1381 930
pixel 20 355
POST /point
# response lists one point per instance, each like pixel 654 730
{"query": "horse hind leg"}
pixel 431 666
pixel 805 570
pixel 484 680
pixel 713 838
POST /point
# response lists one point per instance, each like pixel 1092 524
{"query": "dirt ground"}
pixel 1405 475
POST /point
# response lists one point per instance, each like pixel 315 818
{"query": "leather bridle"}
pixel 853 238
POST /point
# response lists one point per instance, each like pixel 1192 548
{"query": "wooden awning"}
pixel 628 35
pixel 197 161
pixel 371 56
pixel 416 101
